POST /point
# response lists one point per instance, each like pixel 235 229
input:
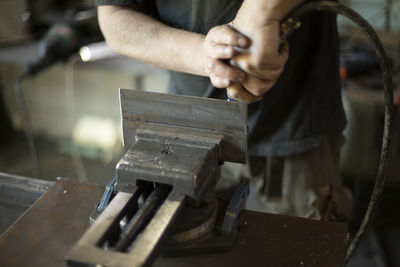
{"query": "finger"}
pixel 267 74
pixel 256 86
pixel 253 63
pixel 219 82
pixel 221 69
pixel 237 92
pixel 256 62
pixel 225 34
pixel 215 50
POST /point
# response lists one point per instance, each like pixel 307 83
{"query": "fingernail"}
pixel 242 42
pixel 209 65
pixel 226 82
pixel 227 50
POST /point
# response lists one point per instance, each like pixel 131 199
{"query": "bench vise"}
pixel 163 188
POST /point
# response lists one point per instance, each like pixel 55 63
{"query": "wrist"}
pixel 202 58
pixel 259 12
pixel 193 55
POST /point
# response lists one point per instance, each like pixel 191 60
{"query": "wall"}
pixel 64 96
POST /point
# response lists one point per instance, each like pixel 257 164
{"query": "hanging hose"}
pixel 292 22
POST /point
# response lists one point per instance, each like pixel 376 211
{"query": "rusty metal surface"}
pixel 277 241
pixel 49 229
pixel 55 223
pixel 209 115
pixel 187 162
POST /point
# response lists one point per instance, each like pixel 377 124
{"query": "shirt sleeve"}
pixel 146 6
pixel 116 2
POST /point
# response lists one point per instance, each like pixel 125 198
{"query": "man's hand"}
pixel 222 43
pixel 219 47
pixel 266 57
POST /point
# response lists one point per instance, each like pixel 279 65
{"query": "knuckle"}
pixel 258 91
pixel 219 29
pixel 261 88
pixel 214 29
pixel 258 62
pixel 216 69
pixel 231 73
pixel 231 38
pixel 216 83
pixel 214 65
pixel 224 27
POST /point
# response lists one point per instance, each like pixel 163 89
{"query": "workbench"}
pixel 53 224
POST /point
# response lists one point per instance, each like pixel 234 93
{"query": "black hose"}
pixel 28 125
pixel 293 19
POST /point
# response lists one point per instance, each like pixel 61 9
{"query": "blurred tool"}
pixel 59 43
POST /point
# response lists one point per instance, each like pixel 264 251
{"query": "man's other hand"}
pixel 266 56
pixel 219 47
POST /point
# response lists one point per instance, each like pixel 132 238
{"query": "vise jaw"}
pixel 179 140
pixel 186 161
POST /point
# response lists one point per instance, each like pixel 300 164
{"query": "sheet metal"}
pixel 209 115
pixel 17 194
pixel 49 229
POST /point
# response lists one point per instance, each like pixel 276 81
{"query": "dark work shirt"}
pixel 303 109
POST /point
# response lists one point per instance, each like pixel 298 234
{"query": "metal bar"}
pixel 144 251
pixel 216 116
pixel 90 248
pixel 143 215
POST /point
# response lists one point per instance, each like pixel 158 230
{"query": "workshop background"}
pixel 71 97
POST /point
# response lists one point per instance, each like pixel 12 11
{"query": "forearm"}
pixel 260 12
pixel 134 34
